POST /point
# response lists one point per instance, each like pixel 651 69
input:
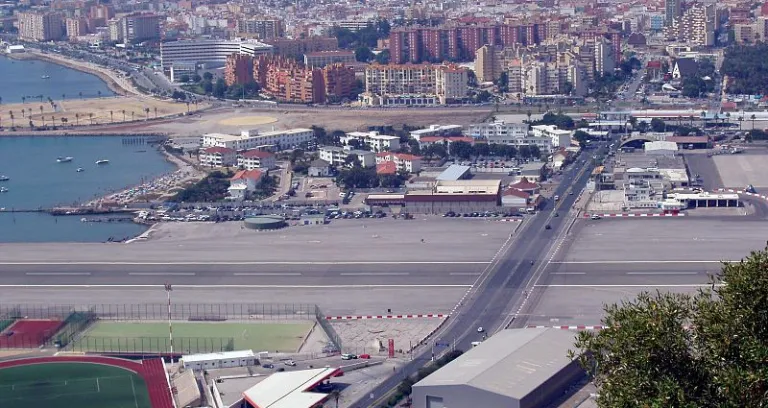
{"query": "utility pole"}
pixel 168 290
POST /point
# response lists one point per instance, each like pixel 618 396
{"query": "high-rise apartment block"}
pixel 295 48
pixel 34 26
pixel 289 80
pixel 414 84
pixel 135 28
pixel 457 43
pixel 672 10
pixel 75 27
pixel 263 28
pixel 696 26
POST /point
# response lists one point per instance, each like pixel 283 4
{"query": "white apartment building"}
pixel 558 137
pixel 253 139
pixel 605 61
pixel 376 141
pixel 414 84
pixel 499 132
pixel 337 156
pixel 256 159
pixel 218 157
pixel 184 56
pixel 403 161
pixel 437 130
pixel 243 182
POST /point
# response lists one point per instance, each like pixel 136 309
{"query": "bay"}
pixel 24 78
pixel 38 180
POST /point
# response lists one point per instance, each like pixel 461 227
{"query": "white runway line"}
pixel 267 274
pixel 694 285
pixel 57 273
pixel 161 273
pixel 250 263
pixel 662 273
pixel 568 273
pixel 633 262
pixel 464 274
pixel 374 273
pixel 237 286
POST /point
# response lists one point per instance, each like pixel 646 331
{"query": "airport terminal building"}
pixel 516 368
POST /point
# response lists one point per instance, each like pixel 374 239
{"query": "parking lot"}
pixel 740 170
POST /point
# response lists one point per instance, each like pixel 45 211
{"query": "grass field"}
pixel 193 337
pixel 71 385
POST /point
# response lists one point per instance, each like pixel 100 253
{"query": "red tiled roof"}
pixel 524 184
pixel 247 174
pixel 654 64
pixel 221 150
pixel 516 192
pixel 386 167
pixel 256 154
pixel 431 139
pixel 401 156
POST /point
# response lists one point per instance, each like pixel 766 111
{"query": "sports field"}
pixel 193 337
pixel 72 385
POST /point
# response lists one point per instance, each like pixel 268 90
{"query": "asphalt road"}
pixel 500 290
pixel 279 274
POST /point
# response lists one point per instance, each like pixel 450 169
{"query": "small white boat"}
pixel 80 169
pixel 4 189
pixel 4 178
pixel 46 77
pixel 64 159
pixel 102 161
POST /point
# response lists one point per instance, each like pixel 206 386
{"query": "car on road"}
pixel 480 329
pixel 290 363
pixel 595 217
pixel 547 227
pixel 347 356
pixel 365 356
pixel 268 366
pixel 557 214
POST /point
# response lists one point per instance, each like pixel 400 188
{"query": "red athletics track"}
pixel 29 333
pixel 152 371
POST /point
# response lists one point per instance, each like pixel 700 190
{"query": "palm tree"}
pixel 41 109
pixel 77 119
pixel 741 121
pixel 12 123
pixel 155 112
pixel 132 114
pixel 187 107
pixel 99 93
pixel 123 115
pixel 146 113
pixel 42 118
pixel 752 117
pixel 23 99
pixel 81 94
pixel 22 114
pixel 90 115
pixel 111 116
pixel 529 113
pixel 64 97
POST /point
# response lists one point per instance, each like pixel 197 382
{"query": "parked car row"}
pixel 489 214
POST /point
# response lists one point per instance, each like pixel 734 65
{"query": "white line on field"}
pixel 703 285
pixel 375 273
pixel 662 273
pixel 267 274
pixel 568 273
pixel 57 273
pixel 635 262
pixel 252 263
pixel 161 273
pixel 464 274
pixel 235 286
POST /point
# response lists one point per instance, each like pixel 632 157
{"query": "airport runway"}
pixel 251 274
pixel 629 273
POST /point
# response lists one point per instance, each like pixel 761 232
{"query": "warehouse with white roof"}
pixel 517 368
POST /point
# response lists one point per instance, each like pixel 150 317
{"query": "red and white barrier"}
pixel 578 327
pixel 634 215
pixel 374 317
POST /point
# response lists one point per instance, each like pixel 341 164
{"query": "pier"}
pixel 59 211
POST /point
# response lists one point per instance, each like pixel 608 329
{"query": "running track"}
pixel 152 371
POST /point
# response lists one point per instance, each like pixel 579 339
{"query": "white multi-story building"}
pixel 337 156
pixel 403 161
pixel 558 137
pixel 437 130
pixel 218 157
pixel 376 141
pixel 242 183
pixel 252 139
pixel 451 83
pixel 256 159
pixel 499 132
pixel 186 55
pixel 414 84
pixel 40 26
pixel 605 61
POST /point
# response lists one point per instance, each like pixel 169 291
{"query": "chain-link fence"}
pixel 333 337
pixel 159 311
pixel 152 345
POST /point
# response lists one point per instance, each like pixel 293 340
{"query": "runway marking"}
pixel 633 262
pixel 568 273
pixel 267 274
pixel 465 274
pixel 702 285
pixel 238 286
pixel 57 273
pixel 375 273
pixel 161 273
pixel 255 263
pixel 662 273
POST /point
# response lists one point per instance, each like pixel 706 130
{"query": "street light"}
pixel 168 290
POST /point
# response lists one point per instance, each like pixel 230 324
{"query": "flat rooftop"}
pixel 289 389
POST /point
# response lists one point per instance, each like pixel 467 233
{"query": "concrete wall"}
pixel 442 207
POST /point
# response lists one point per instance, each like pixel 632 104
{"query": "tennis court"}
pixel 193 337
pixel 71 385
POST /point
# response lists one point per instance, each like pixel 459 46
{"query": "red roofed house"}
pixel 217 157
pixel 515 198
pixel 403 161
pixel 243 182
pixel 256 159
pixel 386 167
pixel 525 186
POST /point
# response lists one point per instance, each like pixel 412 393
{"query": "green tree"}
pixel 581 137
pixel 461 150
pixel 658 125
pixel 363 54
pixel 503 82
pixel 219 88
pixel 383 57
pixel 208 76
pixel 678 350
pixel 184 78
pixel 196 78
